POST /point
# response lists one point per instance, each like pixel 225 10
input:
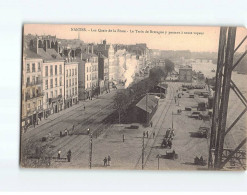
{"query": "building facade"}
pixel 185 74
pixel 71 84
pixel 32 94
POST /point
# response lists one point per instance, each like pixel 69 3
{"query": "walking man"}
pixel 66 132
pixel 153 135
pixel 69 155
pixel 84 107
pixel 147 134
pixel 59 154
pixel 144 134
pixel 109 160
pixel 123 138
pixel 105 161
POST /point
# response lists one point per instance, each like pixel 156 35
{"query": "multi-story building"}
pixel 103 73
pixel 32 95
pixel 112 67
pixel 71 84
pixel 84 79
pixel 53 73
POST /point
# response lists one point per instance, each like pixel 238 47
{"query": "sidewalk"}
pixel 55 116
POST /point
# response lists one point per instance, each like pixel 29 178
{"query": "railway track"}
pixel 160 119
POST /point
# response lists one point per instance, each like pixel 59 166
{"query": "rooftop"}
pixel 151 102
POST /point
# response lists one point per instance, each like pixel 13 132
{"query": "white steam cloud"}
pixel 127 67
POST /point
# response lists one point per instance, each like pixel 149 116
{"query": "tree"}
pixel 169 65
pixel 157 73
pixel 121 102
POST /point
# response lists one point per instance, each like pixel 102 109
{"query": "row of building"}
pixel 57 76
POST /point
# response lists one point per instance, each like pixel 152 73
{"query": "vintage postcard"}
pixel 133 97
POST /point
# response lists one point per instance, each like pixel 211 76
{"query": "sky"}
pixel 193 38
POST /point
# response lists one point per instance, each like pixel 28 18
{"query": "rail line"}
pixel 163 114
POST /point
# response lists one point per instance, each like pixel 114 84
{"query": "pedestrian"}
pixel 59 154
pixel 73 127
pixel 88 131
pixel 151 123
pixel 147 134
pixel 61 134
pixel 66 132
pixel 84 107
pixel 153 135
pixel 69 155
pixel 123 138
pixel 105 161
pixel 109 160
pixel 144 134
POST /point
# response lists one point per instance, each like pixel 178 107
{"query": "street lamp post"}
pixel 158 161
pixel 143 152
pixel 90 151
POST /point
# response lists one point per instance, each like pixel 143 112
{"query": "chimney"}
pixel 45 45
pixel 92 49
pixel 35 45
pixel 56 47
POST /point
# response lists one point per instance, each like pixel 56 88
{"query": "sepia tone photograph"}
pixel 133 97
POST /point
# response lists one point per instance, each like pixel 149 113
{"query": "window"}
pixel 33 80
pixel 39 67
pixel 90 77
pixel 28 67
pixel 87 77
pixel 55 69
pixel 75 81
pixel 73 72
pixel 33 92
pixel 37 80
pixel 60 81
pixel 72 91
pixel 51 70
pixel 70 72
pixel 47 98
pixel 66 93
pixel 33 67
pixel 46 84
pixel 87 69
pixel 60 69
pixel 55 82
pixel 51 94
pixel 46 71
pixel 76 90
pixel 55 93
pixel 61 91
pixel 66 73
pixel 70 82
pixel 51 83
pixel 28 80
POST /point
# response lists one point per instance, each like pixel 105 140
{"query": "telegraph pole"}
pixel 158 161
pixel 90 150
pixel 142 152
pixel 147 106
pixel 172 119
